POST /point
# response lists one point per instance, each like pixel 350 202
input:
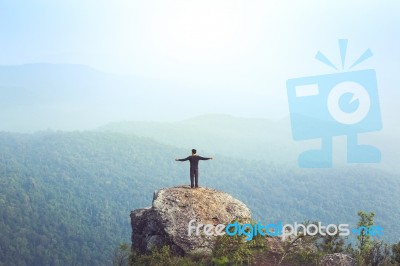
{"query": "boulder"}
pixel 166 221
pixel 337 259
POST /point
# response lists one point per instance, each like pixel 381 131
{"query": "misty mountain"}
pixel 256 139
pixel 41 96
pixel 73 97
pixel 59 96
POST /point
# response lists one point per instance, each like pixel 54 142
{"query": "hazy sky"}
pixel 240 49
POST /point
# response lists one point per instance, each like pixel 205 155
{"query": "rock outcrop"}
pixel 166 222
pixel 337 259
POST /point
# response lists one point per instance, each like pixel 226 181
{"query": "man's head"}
pixel 194 151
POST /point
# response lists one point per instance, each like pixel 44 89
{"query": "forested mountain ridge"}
pixel 256 138
pixel 65 197
pixel 259 139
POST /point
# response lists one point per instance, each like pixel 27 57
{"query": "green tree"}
pixel 330 244
pixel 365 221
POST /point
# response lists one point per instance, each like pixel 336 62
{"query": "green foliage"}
pixel 235 248
pixel 221 261
pixel 330 244
pixel 65 197
pixel 164 257
pixel 301 248
pixel 228 251
pixel 396 253
pixel 371 251
pixel 161 256
pixel 366 220
pixel 377 254
pixel 121 255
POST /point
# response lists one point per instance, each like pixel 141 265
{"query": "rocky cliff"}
pixel 166 221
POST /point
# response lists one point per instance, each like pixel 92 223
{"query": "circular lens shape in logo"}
pixel 348 103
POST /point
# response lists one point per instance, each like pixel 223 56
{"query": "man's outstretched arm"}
pixel 205 158
pixel 182 160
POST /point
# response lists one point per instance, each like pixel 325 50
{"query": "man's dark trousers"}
pixel 194 177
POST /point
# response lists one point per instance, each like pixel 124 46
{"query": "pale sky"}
pixel 247 49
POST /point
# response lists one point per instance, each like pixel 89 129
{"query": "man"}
pixel 194 167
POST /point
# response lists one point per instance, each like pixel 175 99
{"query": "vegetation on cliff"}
pixel 296 250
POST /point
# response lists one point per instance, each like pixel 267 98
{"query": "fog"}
pixel 180 59
pixel 80 65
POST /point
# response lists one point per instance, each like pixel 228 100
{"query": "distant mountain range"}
pixel 254 139
pixel 74 97
pixel 70 97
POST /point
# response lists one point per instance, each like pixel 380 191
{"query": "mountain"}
pixel 75 97
pixel 258 139
pixel 65 197
pixel 255 139
pixel 41 96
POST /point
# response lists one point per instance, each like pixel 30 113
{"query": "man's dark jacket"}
pixel 194 160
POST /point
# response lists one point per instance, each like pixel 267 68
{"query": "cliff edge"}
pixel 166 221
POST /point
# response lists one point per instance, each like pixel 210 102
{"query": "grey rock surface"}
pixel 337 259
pixel 166 222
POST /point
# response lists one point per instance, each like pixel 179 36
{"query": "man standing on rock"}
pixel 194 167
